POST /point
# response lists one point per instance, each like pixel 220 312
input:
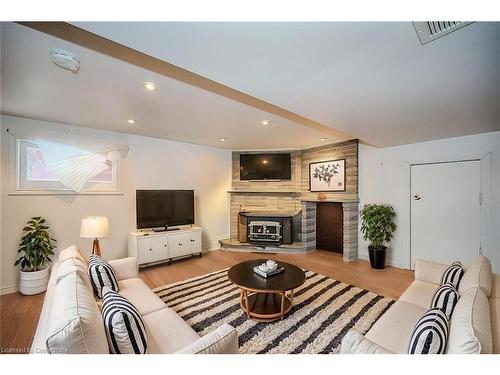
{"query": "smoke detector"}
pixel 65 60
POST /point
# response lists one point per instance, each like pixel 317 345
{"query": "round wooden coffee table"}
pixel 266 300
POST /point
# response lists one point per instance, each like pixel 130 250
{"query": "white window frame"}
pixel 23 186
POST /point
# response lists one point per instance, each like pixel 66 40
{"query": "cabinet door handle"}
pixel 192 240
pixel 165 245
pixel 150 249
pixel 180 244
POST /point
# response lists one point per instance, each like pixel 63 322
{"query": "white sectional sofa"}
pixel 474 325
pixel 71 322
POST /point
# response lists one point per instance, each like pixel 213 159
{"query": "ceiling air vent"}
pixel 431 30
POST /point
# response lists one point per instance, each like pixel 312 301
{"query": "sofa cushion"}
pixel 470 329
pixel 495 312
pixel 140 296
pixel 430 333
pixel 123 324
pixel 355 343
pixel 102 275
pixel 495 323
pixel 70 252
pixel 73 265
pixel 75 325
pixel 478 274
pixel 419 293
pixel 393 329
pixel 445 298
pixel 167 332
pixel 428 271
pixel 224 340
pixel 125 268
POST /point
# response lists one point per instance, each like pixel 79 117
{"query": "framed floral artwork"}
pixel 327 175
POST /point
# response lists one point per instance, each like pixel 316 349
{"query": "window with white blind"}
pixel 50 166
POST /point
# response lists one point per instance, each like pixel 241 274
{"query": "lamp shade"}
pixel 94 227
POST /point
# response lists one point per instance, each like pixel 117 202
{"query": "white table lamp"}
pixel 95 227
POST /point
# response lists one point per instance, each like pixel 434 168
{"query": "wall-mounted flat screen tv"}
pixel 163 208
pixel 265 166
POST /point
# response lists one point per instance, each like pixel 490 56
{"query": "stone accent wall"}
pixel 293 184
pixel 350 231
pixel 264 195
pixel 345 150
pixel 259 202
pixel 309 225
pixel 294 195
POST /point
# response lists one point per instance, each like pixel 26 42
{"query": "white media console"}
pixel 155 247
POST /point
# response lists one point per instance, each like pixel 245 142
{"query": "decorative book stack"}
pixel 268 269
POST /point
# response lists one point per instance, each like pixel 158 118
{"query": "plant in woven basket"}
pixel 36 245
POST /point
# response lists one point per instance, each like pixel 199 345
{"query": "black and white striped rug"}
pixel 324 311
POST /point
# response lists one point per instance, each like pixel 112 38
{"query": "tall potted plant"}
pixel 35 250
pixel 378 226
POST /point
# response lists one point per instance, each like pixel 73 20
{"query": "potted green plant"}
pixel 378 226
pixel 35 250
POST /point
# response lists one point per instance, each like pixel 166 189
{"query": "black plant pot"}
pixel 377 256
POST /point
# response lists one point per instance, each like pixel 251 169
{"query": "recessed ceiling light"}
pixel 223 139
pixel 150 86
pixel 322 139
pixel 132 121
pixel 265 122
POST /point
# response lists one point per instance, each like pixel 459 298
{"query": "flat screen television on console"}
pixel 164 208
pixel 265 166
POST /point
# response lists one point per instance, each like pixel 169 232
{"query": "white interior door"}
pixel 445 211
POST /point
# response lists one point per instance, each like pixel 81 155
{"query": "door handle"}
pixel 417 197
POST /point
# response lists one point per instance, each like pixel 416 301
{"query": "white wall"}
pixel 384 177
pixel 151 164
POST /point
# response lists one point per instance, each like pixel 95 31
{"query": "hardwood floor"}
pixel 19 314
pixel 390 282
pixel 18 320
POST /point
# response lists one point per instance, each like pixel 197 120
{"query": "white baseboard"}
pixel 9 290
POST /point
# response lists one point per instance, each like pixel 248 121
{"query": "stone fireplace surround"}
pixel 294 196
pixel 306 237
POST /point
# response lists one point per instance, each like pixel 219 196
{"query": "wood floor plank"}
pixel 19 314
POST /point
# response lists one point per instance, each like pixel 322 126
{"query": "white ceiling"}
pixel 372 80
pixel 106 92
